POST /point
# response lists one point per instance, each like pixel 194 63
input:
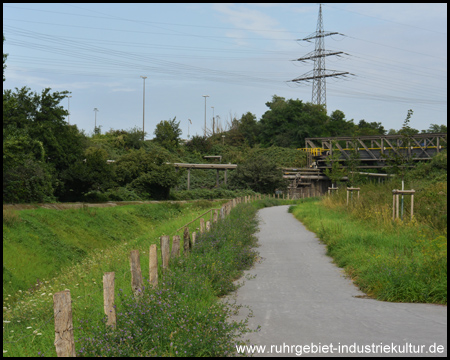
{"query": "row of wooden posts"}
pixel 395 199
pixel 62 303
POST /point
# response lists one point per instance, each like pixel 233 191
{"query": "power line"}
pixel 379 18
pixel 319 73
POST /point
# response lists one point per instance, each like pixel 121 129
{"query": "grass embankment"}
pixel 182 317
pixel 39 243
pixel 399 261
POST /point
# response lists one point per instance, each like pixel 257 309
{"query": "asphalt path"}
pixel 305 305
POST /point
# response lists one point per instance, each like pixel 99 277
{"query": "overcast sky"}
pixel 238 54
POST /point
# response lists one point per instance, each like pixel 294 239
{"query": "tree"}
pixel 399 158
pixel 26 176
pixel 91 174
pixel 352 165
pixel 44 119
pixel 4 59
pixel 248 127
pixel 288 123
pixel 365 128
pixel 335 171
pixel 260 174
pixel 338 126
pixel 167 134
pixel 147 172
pixel 198 144
pixel 435 128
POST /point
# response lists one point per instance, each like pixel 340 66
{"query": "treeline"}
pixel 46 160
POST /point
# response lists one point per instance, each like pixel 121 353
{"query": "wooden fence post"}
pixel 153 265
pixel 215 216
pixel 137 283
pixel 194 236
pixel 397 205
pixel 165 250
pixel 62 310
pixel 202 225
pixel 187 240
pixel 175 246
pixel 393 207
pixel 108 298
pixel 208 226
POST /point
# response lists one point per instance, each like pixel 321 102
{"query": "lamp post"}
pixel 68 108
pixel 95 124
pixel 205 96
pixel 213 118
pixel 143 110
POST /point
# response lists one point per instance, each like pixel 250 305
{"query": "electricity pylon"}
pixel 319 73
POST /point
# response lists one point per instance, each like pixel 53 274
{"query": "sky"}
pixel 240 55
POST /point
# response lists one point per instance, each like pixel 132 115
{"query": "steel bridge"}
pixel 373 149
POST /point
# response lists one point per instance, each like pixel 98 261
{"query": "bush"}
pixel 122 194
pixel 28 182
pixel 260 174
pixel 209 194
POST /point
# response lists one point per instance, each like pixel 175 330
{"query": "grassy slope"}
pixel 38 243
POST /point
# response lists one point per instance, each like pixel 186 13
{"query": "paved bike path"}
pixel 299 297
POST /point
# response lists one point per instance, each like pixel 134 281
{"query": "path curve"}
pixel 299 297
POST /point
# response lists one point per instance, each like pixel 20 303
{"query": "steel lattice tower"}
pixel 319 73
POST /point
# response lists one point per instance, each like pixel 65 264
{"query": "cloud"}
pixel 254 21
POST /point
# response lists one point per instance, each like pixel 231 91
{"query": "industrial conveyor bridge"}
pixel 372 149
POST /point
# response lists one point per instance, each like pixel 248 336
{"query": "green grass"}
pixel 39 243
pixel 390 261
pixel 182 314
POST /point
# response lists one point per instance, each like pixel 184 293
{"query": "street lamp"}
pixel 143 110
pixel 213 118
pixel 68 108
pixel 205 96
pixel 95 127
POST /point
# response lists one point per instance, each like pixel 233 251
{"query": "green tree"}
pixel 335 171
pixel 91 174
pixel 352 165
pixel 248 127
pixel 365 128
pixel 5 56
pixel 44 119
pixel 399 158
pixel 26 176
pixel 288 123
pixel 167 134
pixel 260 174
pixel 147 172
pixel 337 125
pixel 199 144
pixel 435 128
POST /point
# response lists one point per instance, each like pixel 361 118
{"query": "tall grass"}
pixel 401 261
pixel 181 317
